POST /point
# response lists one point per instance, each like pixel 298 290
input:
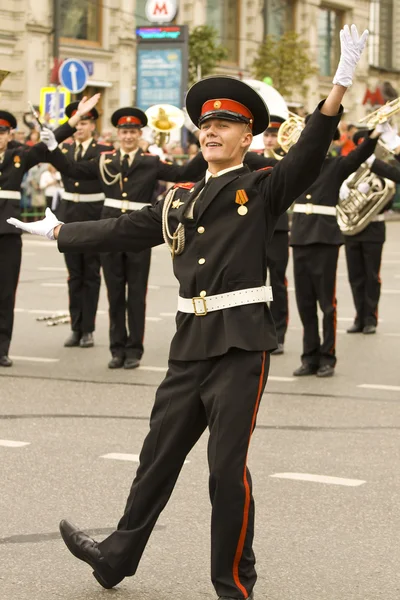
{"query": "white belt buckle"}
pixel 197 312
pixel 309 208
pixel 76 197
pixel 124 203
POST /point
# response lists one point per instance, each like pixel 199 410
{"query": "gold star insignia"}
pixel 177 204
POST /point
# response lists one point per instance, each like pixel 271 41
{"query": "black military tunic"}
pixel 218 363
pixel 83 269
pixel 16 162
pixel 364 256
pixel 126 273
pixel 316 239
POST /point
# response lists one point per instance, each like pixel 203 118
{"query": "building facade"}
pixel 103 34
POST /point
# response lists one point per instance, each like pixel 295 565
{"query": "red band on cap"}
pixel 274 125
pixel 86 116
pixel 220 104
pixel 4 123
pixel 129 120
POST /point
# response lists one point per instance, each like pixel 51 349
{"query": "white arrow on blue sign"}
pixel 73 75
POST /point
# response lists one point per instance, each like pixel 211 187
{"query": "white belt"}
pixel 10 195
pixel 201 306
pixel 314 209
pixel 83 197
pixel 125 204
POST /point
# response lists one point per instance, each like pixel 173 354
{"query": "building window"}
pixel 329 25
pixel 81 20
pixel 224 17
pixel 381 33
pixel 278 17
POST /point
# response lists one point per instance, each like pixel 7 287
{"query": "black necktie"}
pixel 125 163
pixel 79 152
pixel 201 195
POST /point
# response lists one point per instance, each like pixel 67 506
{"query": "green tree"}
pixel 205 53
pixel 286 60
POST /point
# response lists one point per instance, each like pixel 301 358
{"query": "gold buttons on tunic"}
pixel 125 179
pixel 203 294
pixel 76 184
pixel 308 197
pixel 200 230
pixel 202 261
pixel 124 194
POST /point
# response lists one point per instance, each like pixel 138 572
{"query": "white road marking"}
pixel 373 386
pixel 153 319
pixel 43 244
pixel 283 379
pixel 35 359
pixel 155 369
pixel 392 334
pixel 386 291
pixel 168 314
pixel 153 287
pixel 62 285
pixel 129 457
pixel 28 254
pixel 320 479
pixel 13 444
pixel 63 269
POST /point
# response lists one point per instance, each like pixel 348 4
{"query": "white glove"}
pixel 364 187
pixel 188 123
pixel 351 47
pixel 344 191
pixel 45 227
pixel 48 138
pixel 370 160
pixel 388 135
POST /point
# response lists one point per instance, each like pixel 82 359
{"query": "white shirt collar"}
pixel 85 144
pixel 208 174
pixel 130 154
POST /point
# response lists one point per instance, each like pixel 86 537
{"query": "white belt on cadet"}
pixel 125 204
pixel 72 197
pixel 10 195
pixel 200 306
pixel 314 209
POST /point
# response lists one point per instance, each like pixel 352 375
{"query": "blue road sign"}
pixel 73 75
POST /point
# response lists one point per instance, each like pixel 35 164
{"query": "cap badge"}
pixel 128 119
pixel 217 104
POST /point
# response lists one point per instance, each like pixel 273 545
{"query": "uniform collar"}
pixel 85 144
pixel 208 174
pixel 130 154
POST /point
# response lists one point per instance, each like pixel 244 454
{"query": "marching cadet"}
pixel 127 178
pixel 82 201
pixel 364 254
pixel 217 231
pixel 15 161
pixel 316 239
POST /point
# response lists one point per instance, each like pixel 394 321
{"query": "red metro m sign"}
pixel 161 11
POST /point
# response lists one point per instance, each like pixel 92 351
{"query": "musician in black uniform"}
pixel 316 239
pixel 217 231
pixel 127 177
pixel 15 161
pixel 364 255
pixel 82 201
pixel 278 248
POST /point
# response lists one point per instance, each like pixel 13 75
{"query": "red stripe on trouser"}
pixel 242 537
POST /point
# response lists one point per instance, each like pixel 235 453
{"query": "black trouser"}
pixel 84 289
pixel 10 264
pixel 363 265
pixel 126 275
pixel 222 393
pixel 315 281
pixel 277 261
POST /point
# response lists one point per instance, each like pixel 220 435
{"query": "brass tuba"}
pixel 290 131
pixel 164 118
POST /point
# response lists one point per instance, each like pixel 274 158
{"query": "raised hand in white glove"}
pixel 351 47
pixel 388 135
pixel 48 138
pixel 344 191
pixel 45 227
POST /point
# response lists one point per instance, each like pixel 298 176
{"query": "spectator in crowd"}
pixel 33 138
pixel 51 186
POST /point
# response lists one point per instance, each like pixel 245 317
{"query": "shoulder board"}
pixel 113 152
pixel 265 169
pixel 186 186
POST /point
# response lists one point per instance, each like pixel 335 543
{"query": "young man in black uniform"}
pixel 127 177
pixel 217 231
pixel 364 255
pixel 82 201
pixel 316 239
pixel 278 248
pixel 14 163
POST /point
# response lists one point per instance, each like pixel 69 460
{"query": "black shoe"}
pixel 73 339
pixel 369 329
pixel 326 371
pixel 117 362
pixel 305 369
pixel 278 350
pixel 5 361
pixel 86 340
pixel 86 549
pixel 131 363
pixel 250 597
pixel 355 328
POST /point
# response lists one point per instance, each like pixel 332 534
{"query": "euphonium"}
pixel 164 118
pixel 289 132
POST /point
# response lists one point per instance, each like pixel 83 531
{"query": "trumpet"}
pixel 164 118
pixel 381 114
pixel 290 130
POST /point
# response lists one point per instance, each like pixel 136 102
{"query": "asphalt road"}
pixel 325 456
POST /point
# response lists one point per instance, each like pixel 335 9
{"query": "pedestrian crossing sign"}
pixel 48 102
